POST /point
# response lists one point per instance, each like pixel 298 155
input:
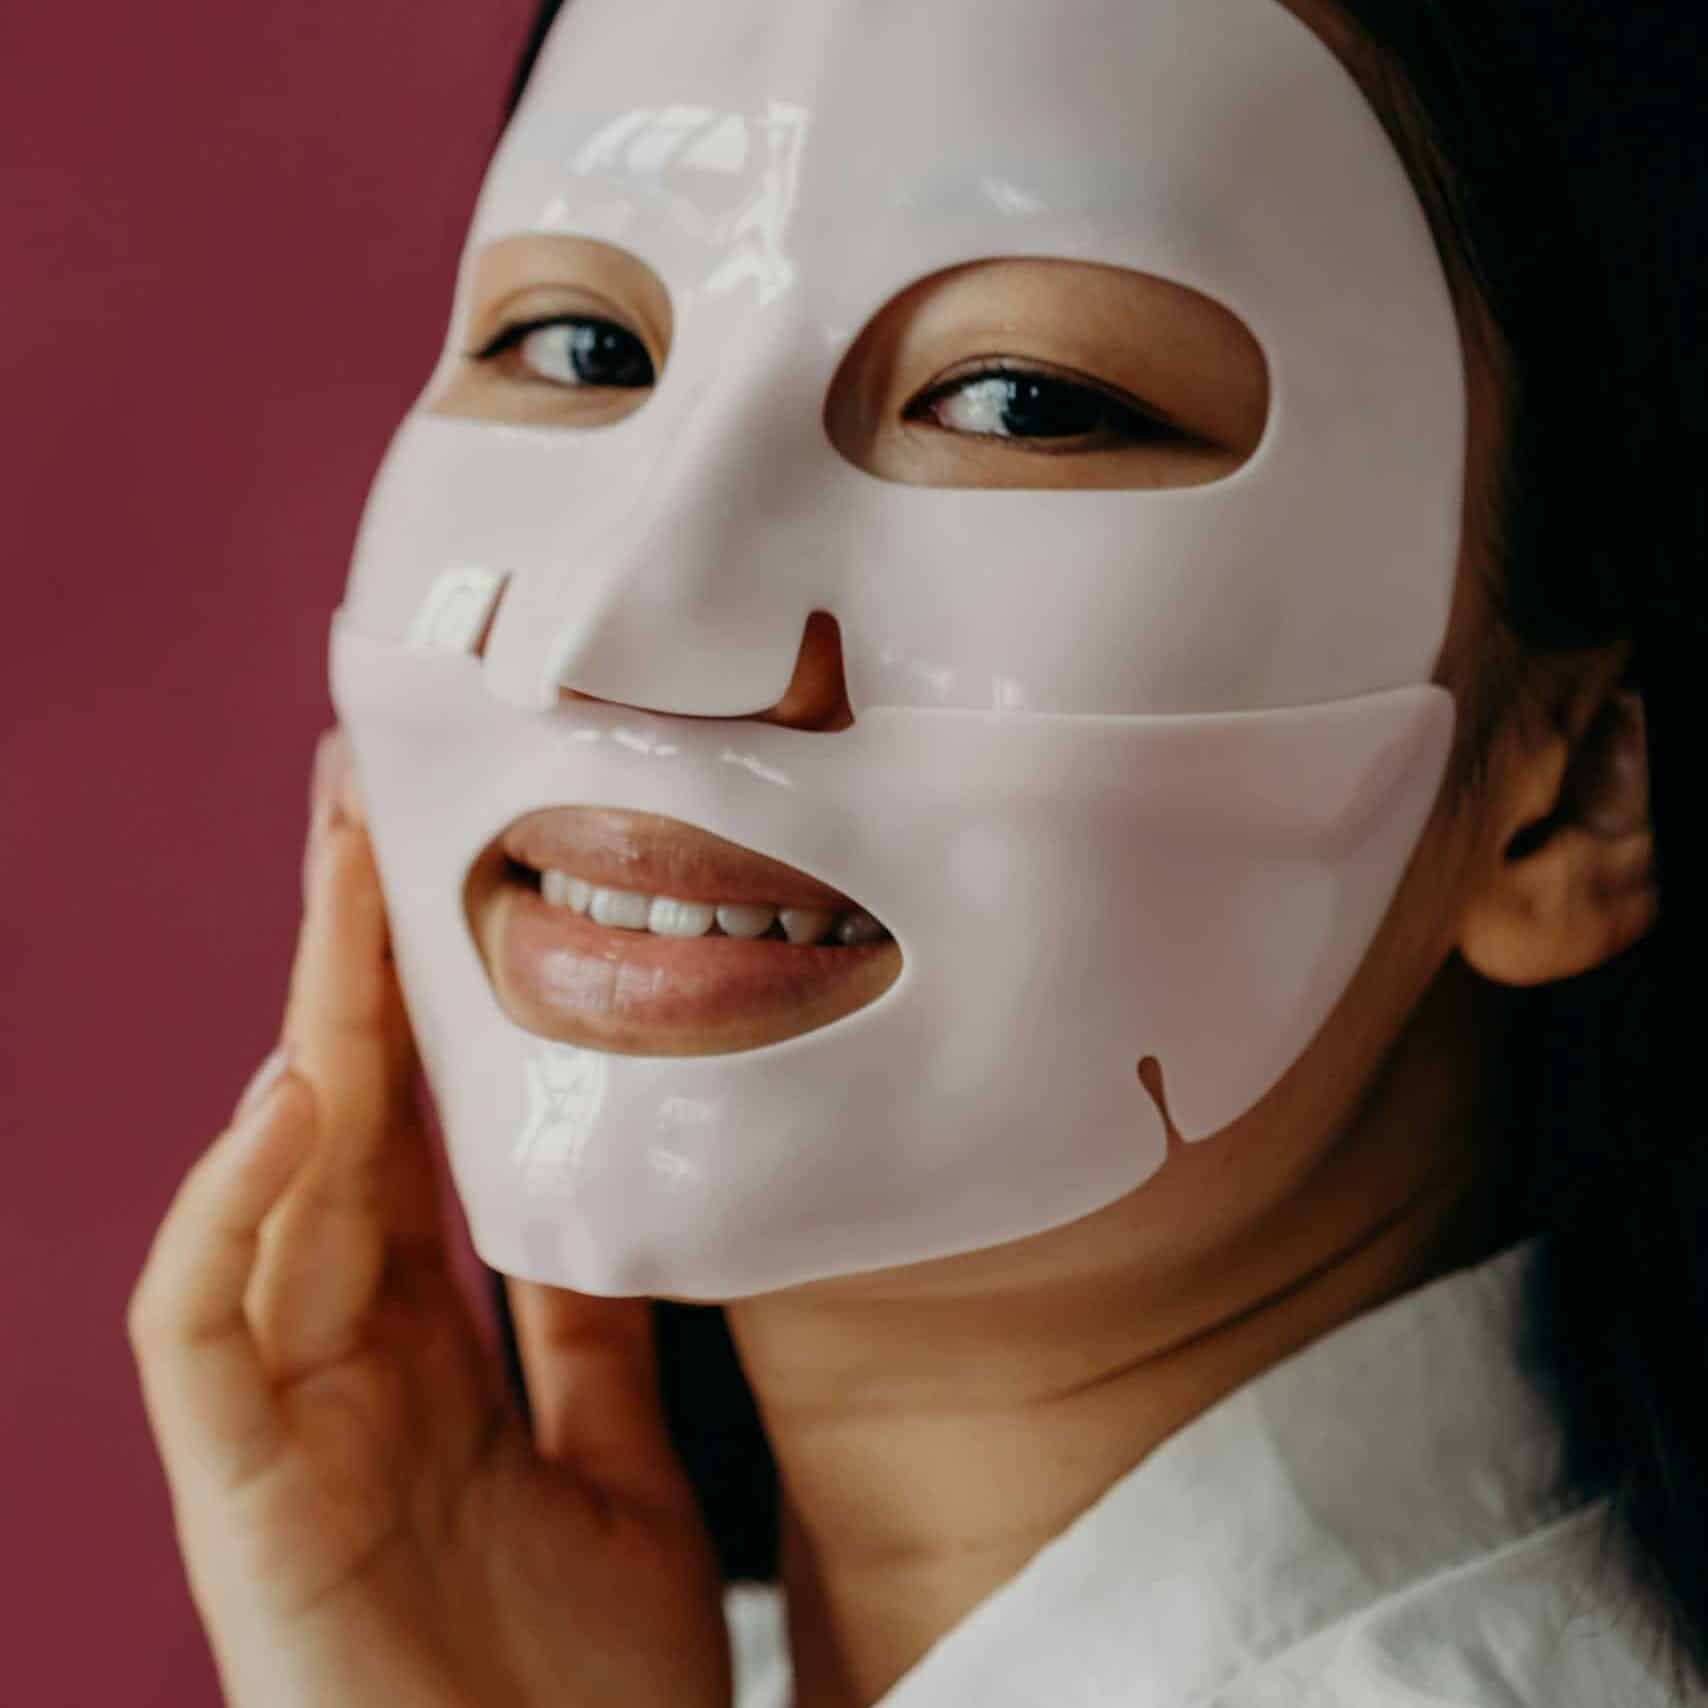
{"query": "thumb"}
pixel 591 1366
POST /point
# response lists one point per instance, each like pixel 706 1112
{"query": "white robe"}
pixel 1371 1523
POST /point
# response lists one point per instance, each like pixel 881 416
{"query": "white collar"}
pixel 1403 1444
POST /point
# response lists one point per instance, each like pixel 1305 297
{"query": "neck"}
pixel 934 1427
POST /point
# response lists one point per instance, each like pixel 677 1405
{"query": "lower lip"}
pixel 558 974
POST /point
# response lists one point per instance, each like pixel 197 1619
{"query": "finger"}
pixel 209 1400
pixel 370 1198
pixel 336 775
pixel 344 1017
pixel 346 1012
pixel 592 1377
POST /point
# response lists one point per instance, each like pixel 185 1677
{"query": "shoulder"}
pixel 1547 1621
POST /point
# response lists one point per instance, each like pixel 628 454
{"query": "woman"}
pixel 1340 1400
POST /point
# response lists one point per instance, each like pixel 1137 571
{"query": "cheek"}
pixel 1265 1154
pixel 1419 924
pixel 1411 949
pixel 1214 1202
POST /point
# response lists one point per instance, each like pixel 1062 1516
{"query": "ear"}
pixel 1568 882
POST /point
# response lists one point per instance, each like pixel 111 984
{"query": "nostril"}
pixel 817 695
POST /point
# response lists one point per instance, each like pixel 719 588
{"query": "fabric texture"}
pixel 1374 1522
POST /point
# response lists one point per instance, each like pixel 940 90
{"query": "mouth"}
pixel 640 935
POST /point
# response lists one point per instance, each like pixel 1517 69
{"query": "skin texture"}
pixel 295 1321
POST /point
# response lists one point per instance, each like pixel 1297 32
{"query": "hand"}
pixel 363 1516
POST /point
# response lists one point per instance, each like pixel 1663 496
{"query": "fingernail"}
pixel 329 789
pixel 266 1076
pixel 323 803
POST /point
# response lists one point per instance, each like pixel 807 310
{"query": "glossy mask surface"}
pixel 1133 773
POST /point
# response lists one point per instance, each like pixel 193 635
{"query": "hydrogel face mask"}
pixel 1133 773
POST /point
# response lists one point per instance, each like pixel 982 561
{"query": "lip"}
pixel 660 857
pixel 558 974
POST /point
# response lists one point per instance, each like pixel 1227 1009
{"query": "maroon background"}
pixel 227 235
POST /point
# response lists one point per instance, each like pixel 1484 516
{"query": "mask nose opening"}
pixel 817 696
pixel 815 700
pixel 461 613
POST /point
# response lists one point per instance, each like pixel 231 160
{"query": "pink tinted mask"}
pixel 1133 773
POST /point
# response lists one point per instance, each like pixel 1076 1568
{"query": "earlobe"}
pixel 1572 883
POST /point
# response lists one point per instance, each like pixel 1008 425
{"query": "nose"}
pixel 698 597
pixel 817 695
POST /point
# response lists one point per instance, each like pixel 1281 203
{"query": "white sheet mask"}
pixel 1133 773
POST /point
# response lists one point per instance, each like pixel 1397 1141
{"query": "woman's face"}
pixel 1006 373
pixel 921 570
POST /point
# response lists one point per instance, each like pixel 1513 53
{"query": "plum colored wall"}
pixel 227 234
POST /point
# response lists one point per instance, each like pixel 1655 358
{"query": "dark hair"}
pixel 1562 151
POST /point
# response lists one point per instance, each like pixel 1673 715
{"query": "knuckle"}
pixel 146 1314
pixel 139 1321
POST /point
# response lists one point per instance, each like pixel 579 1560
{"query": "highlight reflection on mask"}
pixel 1133 773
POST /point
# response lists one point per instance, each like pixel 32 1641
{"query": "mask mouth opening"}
pixel 644 935
pixel 639 872
pixel 676 917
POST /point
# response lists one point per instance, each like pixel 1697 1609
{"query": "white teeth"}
pixel 855 928
pixel 665 916
pixel 806 924
pixel 746 921
pixel 672 918
pixel 621 908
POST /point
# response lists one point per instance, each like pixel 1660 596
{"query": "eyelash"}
pixel 510 337
pixel 1133 423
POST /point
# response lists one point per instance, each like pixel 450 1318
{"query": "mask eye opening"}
pixel 1043 373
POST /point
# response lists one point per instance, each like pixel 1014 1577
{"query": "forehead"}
pixel 1067 80
pixel 856 115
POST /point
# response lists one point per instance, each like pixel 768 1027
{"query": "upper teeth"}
pixel 665 916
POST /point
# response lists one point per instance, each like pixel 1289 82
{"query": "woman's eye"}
pixel 1013 404
pixel 575 350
